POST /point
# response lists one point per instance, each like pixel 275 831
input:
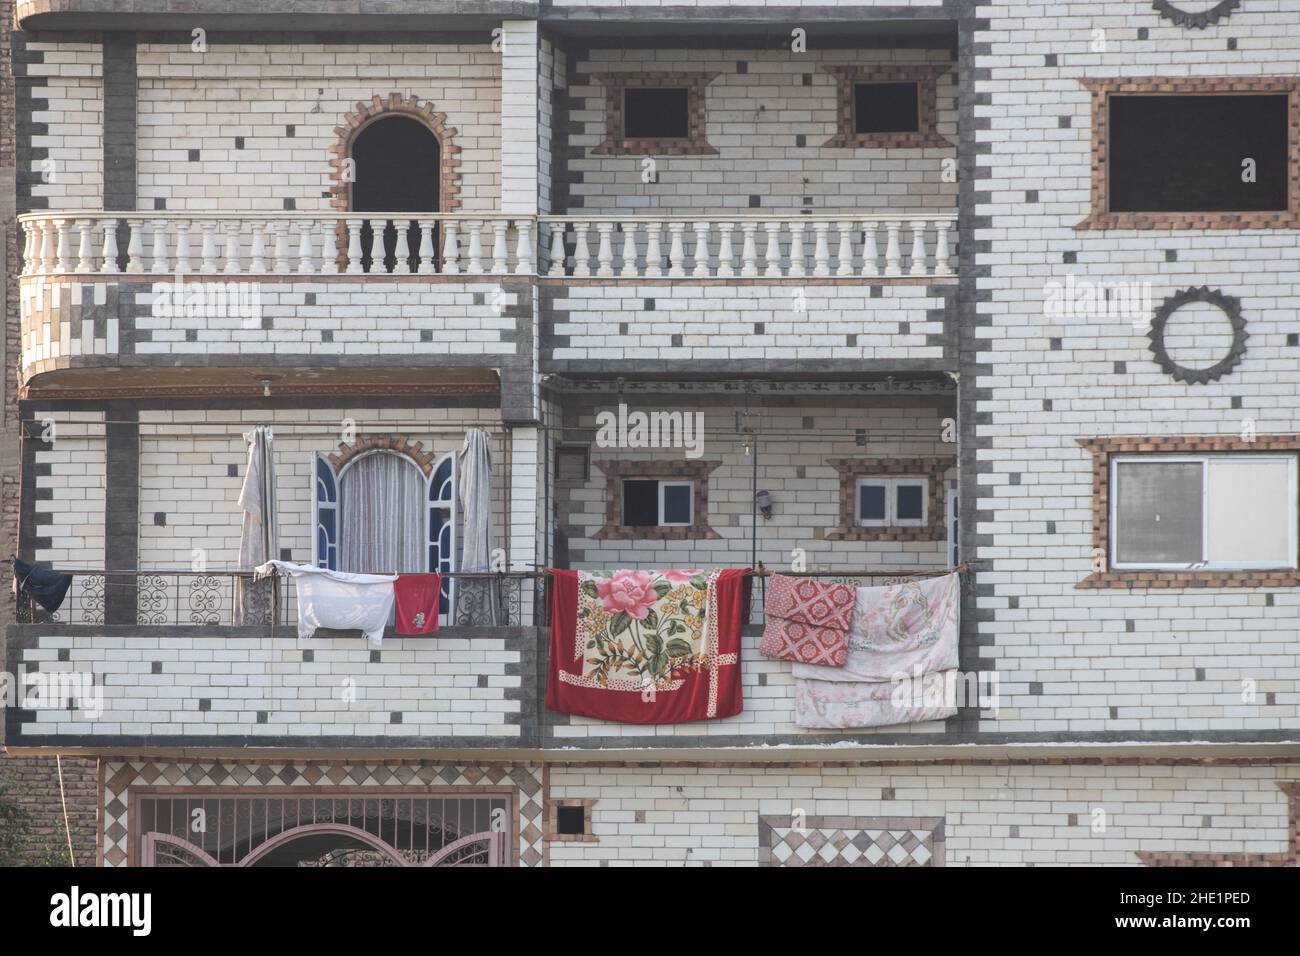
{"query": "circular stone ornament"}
pixel 1171 10
pixel 1231 307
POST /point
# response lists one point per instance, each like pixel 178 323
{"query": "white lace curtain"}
pixel 382 505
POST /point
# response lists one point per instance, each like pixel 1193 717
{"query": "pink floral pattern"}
pixel 629 592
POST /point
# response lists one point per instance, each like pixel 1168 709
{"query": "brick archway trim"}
pixel 398 444
pixel 363 114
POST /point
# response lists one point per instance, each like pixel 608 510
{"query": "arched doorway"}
pixel 397 163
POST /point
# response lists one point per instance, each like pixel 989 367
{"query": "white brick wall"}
pixel 71 82
pixel 71 514
pixel 1114 660
pixel 203 101
pixel 753 119
pixel 993 814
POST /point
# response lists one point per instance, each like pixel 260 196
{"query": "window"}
pixel 1195 153
pixel 1234 511
pixel 886 108
pixel 892 502
pixel 889 107
pixel 1186 153
pixel 650 113
pixel 649 503
pixel 571 821
pixel 656 113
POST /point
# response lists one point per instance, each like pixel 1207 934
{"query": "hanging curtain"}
pixel 381 500
pixel 477 602
pixel 259 535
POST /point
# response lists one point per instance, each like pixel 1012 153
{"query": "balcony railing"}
pixel 324 244
pixel 213 598
pixel 774 247
pixel 313 244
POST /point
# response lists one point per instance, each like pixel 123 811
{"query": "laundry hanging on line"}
pixel 418 598
pixel 901 662
pixel 806 621
pixel 45 586
pixel 337 600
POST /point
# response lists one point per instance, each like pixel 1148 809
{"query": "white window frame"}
pixel 690 487
pixel 891 486
pixel 1204 460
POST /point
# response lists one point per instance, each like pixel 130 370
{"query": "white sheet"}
pixel 337 600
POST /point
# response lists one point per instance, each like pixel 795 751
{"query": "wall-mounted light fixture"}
pixel 764 501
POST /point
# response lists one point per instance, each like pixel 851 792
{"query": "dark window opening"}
pixel 640 504
pixel 571 821
pixel 677 504
pixel 656 113
pixel 1186 153
pixel 397 170
pixel 871 503
pixel 886 108
pixel 911 503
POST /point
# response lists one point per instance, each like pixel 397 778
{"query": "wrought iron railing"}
pixel 225 598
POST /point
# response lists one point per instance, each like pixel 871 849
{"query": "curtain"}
pixel 478 602
pixel 381 500
pixel 259 535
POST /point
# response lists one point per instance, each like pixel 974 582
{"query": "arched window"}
pixel 397 168
pixel 380 514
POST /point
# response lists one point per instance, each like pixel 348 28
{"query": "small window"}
pixel 572 463
pixel 571 821
pixel 893 502
pixel 1185 153
pixel 655 503
pixel 1223 512
pixel 656 113
pixel 886 108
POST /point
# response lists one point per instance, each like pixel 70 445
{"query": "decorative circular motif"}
pixel 1197 21
pixel 1231 307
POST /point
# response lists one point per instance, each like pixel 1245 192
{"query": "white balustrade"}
pixel 677 247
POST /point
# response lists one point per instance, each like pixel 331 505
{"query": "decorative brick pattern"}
pixel 1196 20
pixel 1103 448
pixel 616 471
pixel 394 443
pixel 1101 216
pixel 851 469
pixel 926 134
pixel 616 142
pixel 1287 857
pixel 1230 306
pixel 850 841
pixel 553 834
pixel 120 778
pixel 395 104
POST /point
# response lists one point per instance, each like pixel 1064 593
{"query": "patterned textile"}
pixel 647 647
pixel 904 636
pixel 336 600
pixel 807 621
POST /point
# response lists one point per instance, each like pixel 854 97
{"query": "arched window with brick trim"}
pixel 379 512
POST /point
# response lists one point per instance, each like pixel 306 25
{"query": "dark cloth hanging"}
pixel 47 588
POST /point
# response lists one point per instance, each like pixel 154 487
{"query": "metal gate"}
pixel 344 829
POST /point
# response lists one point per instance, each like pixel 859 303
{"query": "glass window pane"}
pixel 641 504
pixel 677 504
pixel 1158 512
pixel 910 503
pixel 1250 512
pixel 871 502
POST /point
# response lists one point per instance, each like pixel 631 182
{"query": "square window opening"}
pixel 571 821
pixel 656 113
pixel 886 108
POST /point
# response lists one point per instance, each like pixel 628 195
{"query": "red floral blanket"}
pixel 647 647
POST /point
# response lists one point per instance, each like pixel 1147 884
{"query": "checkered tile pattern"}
pixel 121 776
pixel 851 841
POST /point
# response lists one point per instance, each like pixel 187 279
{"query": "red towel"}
pixel 418 598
